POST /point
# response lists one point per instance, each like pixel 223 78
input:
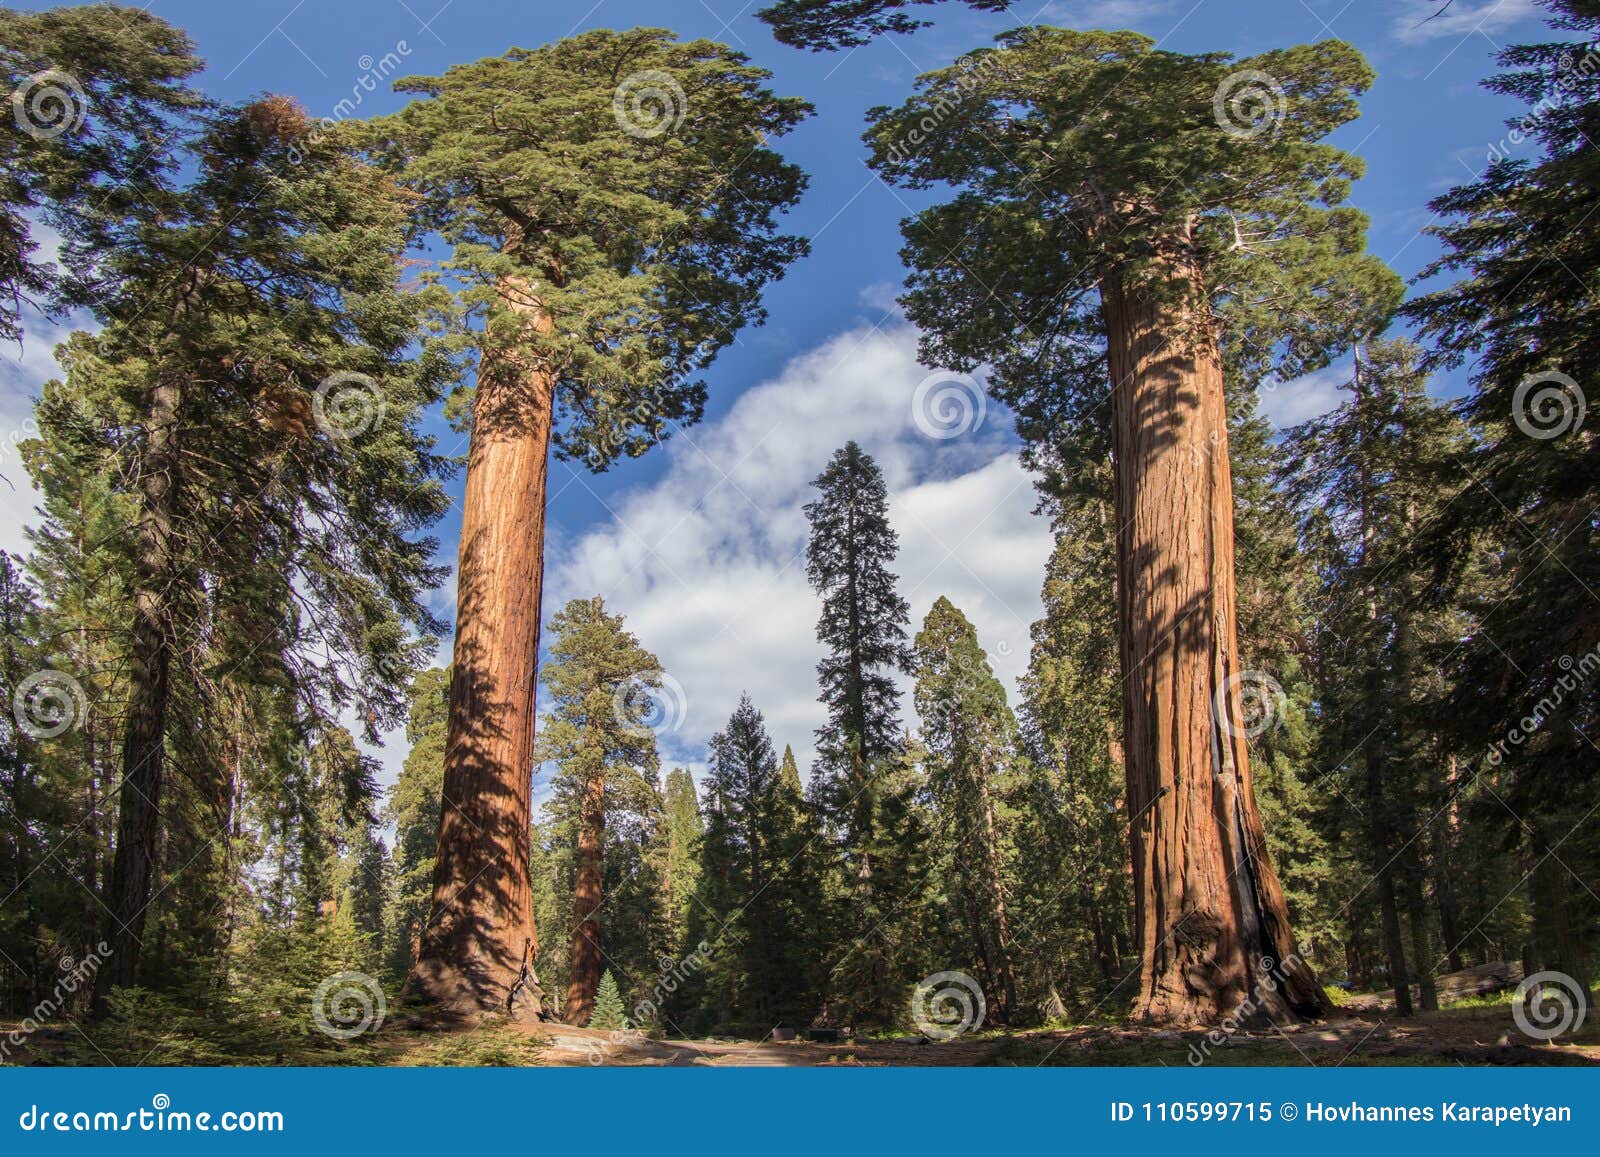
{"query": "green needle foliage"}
pixel 608 1010
pixel 97 97
pixel 1058 182
pixel 624 180
pixel 1524 316
pixel 969 741
pixel 821 25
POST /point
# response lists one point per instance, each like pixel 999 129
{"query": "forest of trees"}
pixel 1318 705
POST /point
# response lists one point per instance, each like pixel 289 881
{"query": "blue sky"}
pixel 697 542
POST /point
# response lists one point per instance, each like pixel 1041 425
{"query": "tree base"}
pixel 444 993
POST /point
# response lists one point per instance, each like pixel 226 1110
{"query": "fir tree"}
pixel 757 881
pixel 96 93
pixel 683 831
pixel 1523 316
pixel 1368 477
pixel 862 796
pixel 608 1011
pixel 261 489
pixel 862 626
pixel 413 810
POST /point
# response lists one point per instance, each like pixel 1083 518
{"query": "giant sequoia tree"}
pixel 610 204
pixel 1127 212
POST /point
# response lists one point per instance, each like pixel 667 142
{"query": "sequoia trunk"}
pixel 145 729
pixel 1213 926
pixel 480 930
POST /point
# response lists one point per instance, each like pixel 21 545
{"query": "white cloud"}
pixel 1461 18
pixel 707 563
pixel 1286 404
pixel 23 373
pixel 1101 13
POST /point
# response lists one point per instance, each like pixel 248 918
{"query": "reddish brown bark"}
pixel 480 929
pixel 587 898
pixel 1210 911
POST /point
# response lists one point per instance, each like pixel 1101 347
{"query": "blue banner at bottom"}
pixel 811 1111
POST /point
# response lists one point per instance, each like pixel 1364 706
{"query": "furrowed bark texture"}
pixel 1213 926
pixel 481 926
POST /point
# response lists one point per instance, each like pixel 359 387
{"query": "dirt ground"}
pixel 1465 1036
pixel 1364 1032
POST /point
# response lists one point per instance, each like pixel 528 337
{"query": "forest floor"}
pixel 1363 1032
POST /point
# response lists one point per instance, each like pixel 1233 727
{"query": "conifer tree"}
pixel 597 733
pixel 862 626
pixel 412 808
pixel 608 1010
pixel 832 24
pixel 249 480
pixel 1368 478
pixel 610 204
pixel 1245 262
pixel 1522 316
pixel 684 829
pixel 970 740
pixel 1075 901
pixel 758 883
pixel 861 793
pixel 97 92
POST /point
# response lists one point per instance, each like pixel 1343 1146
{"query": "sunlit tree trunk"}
pixel 480 928
pixel 1211 914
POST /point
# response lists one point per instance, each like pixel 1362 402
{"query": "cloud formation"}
pixel 707 563
pixel 1460 18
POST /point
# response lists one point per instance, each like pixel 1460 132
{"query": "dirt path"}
pixel 1483 1036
